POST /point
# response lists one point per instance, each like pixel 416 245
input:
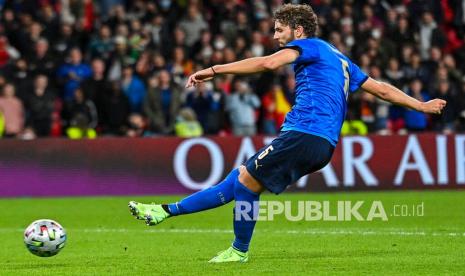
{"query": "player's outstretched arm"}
pixel 391 94
pixel 245 66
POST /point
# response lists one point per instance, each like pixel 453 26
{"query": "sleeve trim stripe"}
pixel 293 47
pixel 361 83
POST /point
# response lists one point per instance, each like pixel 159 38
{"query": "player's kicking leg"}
pixel 209 198
pixel 240 186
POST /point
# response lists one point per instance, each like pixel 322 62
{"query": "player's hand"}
pixel 200 76
pixel 434 106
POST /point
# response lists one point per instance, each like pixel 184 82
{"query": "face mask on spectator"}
pixel 219 44
pixel 165 4
pixel 207 52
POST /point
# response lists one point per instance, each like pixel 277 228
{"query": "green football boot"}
pixel 153 214
pixel 230 255
pixel 138 209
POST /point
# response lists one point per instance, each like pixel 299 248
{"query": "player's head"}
pixel 294 22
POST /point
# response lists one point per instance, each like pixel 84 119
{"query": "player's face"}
pixel 282 33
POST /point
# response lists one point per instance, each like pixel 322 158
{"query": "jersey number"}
pixel 345 67
pixel 265 152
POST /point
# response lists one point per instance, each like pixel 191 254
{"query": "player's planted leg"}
pixel 230 255
pixel 245 217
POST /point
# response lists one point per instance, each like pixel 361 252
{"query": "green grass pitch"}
pixel 104 239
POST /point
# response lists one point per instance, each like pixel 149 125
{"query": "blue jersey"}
pixel 324 78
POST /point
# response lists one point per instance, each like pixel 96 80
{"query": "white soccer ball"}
pixel 44 237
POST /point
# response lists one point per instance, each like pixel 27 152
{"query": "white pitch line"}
pixel 359 232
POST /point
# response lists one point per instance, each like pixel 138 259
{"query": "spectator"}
pixel 394 75
pixel 430 34
pixel 80 128
pixel 368 107
pixel 120 57
pixel 275 107
pixel 143 65
pixel 370 22
pixel 25 21
pixel 97 87
pixel 50 21
pixel 382 107
pixel 450 64
pixel 181 67
pixel 403 33
pixel 12 28
pixel 162 103
pixel 432 64
pixel 115 111
pixel 441 74
pixel 102 45
pixel 157 29
pixel 133 88
pixel 193 24
pixel 42 61
pixel 445 121
pixel 243 25
pixel 265 27
pixel 80 106
pixel 20 77
pixel 201 101
pixel 203 50
pixel 40 106
pixel 415 120
pixel 216 116
pixel 241 106
pixel 73 73
pixel 391 24
pixel 12 110
pixel 178 39
pixel 65 40
pixel 139 39
pixel 34 35
pixel 158 63
pixel 117 15
pixel 7 52
pixel 415 69
pixel 257 48
pixel 136 126
pixel 187 125
pixel 408 40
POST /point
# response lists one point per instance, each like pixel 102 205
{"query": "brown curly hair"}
pixel 298 15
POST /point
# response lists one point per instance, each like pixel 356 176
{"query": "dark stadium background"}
pixel 415 45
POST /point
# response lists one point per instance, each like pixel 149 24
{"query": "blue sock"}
pixel 245 215
pixel 212 197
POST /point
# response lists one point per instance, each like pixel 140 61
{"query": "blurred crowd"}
pixel 83 68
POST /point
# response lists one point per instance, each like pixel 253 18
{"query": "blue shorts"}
pixel 290 156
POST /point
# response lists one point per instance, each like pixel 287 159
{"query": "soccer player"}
pixel 324 79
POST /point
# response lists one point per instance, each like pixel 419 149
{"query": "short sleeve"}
pixel 357 77
pixel 308 51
